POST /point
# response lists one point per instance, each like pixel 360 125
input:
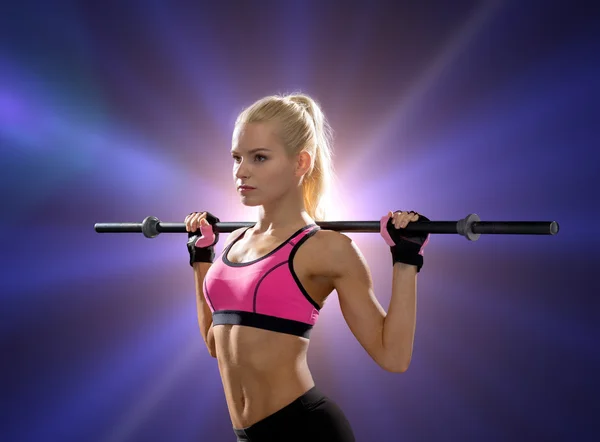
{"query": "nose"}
pixel 241 170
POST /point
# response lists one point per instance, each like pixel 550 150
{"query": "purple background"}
pixel 113 111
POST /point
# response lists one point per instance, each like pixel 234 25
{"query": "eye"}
pixel 260 158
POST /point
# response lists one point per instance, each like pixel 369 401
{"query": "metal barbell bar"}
pixel 471 227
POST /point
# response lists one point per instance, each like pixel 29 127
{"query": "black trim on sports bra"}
pixel 291 265
pixel 265 322
pixel 229 263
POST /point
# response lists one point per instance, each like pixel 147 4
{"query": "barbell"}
pixel 471 227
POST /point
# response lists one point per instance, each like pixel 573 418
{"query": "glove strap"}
pixel 400 254
pixel 199 254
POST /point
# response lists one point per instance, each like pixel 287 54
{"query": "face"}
pixel 260 161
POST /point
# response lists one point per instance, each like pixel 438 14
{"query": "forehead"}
pixel 251 136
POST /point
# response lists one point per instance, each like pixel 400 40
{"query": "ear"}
pixel 303 161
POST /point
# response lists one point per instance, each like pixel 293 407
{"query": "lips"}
pixel 246 188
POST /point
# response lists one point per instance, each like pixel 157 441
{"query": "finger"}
pixel 411 218
pixel 188 222
pixel 201 220
pixel 405 219
pixel 195 221
pixel 398 216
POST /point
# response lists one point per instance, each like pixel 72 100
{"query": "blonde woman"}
pixel 258 301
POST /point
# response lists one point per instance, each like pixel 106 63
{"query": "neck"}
pixel 284 214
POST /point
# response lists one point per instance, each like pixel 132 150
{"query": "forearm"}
pixel 204 313
pixel 400 321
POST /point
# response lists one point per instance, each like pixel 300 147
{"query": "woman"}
pixel 259 300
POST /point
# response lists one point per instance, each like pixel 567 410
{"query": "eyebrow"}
pixel 253 150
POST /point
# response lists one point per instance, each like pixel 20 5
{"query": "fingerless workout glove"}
pixel 406 247
pixel 201 243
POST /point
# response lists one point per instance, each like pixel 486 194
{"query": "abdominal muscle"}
pixel 262 371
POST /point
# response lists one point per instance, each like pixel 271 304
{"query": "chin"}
pixel 247 203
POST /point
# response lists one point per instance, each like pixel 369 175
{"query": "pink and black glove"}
pixel 202 236
pixel 406 247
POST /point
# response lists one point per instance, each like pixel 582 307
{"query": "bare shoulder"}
pixel 331 239
pixel 332 251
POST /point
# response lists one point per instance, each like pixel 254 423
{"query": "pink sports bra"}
pixel 265 293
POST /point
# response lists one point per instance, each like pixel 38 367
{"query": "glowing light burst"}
pixel 339 201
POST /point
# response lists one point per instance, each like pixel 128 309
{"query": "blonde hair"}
pixel 303 127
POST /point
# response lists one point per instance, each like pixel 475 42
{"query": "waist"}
pixel 253 396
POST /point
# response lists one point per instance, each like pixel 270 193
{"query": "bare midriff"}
pixel 262 371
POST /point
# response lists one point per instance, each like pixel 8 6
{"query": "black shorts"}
pixel 312 417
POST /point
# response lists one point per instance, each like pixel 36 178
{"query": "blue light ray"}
pixel 101 380
pixel 491 124
pixel 354 51
pixel 62 147
pixel 299 44
pixel 400 115
pixel 202 66
pixel 144 406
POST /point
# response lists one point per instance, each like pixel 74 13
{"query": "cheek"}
pixel 283 174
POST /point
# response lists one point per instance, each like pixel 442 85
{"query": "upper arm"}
pixel 352 280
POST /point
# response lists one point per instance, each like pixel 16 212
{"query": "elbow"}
pixel 402 368
pixel 397 368
pixel 397 365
